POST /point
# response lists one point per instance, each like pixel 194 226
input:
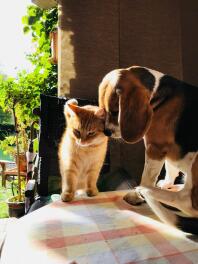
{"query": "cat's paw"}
pixel 67 197
pixel 92 192
pixel 134 198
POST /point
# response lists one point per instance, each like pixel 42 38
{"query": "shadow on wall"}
pixel 90 42
pixel 99 36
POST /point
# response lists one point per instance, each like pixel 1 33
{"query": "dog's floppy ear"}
pixel 135 111
pixel 101 93
pixel 194 197
pixel 194 190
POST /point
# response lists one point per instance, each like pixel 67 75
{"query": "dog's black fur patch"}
pixel 186 132
pixel 146 78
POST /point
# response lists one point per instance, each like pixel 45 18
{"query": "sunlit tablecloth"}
pixel 103 229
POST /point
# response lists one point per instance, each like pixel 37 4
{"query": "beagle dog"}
pixel 144 103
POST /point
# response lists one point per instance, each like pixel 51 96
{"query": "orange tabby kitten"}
pixel 82 149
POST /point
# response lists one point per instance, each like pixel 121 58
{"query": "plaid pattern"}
pixel 103 229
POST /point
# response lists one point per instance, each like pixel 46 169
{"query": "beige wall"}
pixel 98 36
pixel 189 32
pixel 89 45
pixel 150 35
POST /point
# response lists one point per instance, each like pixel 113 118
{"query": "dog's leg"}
pixel 171 174
pixel 164 214
pixel 151 171
pixel 180 200
pixel 163 196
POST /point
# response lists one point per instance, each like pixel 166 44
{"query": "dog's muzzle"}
pixel 107 132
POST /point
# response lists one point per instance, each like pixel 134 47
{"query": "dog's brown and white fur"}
pixel 144 103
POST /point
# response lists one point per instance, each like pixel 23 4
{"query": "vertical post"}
pixel 17 146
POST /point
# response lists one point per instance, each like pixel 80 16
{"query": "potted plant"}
pixel 16 204
pixel 11 100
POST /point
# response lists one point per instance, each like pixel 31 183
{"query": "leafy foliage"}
pixel 24 91
pixel 5 118
pixel 12 99
pixel 22 94
pixel 5 130
pixel 6 124
pixel 40 23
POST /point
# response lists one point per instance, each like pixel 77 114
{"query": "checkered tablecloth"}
pixel 103 229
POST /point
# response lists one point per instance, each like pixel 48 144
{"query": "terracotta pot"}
pixel 15 208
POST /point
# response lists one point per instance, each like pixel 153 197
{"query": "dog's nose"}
pixel 107 132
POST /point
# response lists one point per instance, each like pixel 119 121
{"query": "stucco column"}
pixel 88 45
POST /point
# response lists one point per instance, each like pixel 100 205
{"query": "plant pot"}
pixel 15 208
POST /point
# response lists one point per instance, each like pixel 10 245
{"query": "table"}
pixel 103 229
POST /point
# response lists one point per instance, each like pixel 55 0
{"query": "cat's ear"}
pixel 72 101
pixel 101 113
pixel 71 108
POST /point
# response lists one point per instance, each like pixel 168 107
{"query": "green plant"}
pixel 5 118
pixel 11 100
pixel 8 145
pixel 20 95
pixel 39 23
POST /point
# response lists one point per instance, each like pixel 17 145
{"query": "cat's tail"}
pixel 186 224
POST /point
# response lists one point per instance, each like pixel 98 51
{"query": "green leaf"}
pixel 25 20
pixel 31 20
pixel 26 29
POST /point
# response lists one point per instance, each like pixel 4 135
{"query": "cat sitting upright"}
pixel 82 149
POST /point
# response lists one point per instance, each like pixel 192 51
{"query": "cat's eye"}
pixel 76 133
pixel 91 133
pixel 114 113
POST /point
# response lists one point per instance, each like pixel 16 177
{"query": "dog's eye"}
pixel 114 113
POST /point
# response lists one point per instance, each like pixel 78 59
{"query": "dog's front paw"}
pixel 134 197
pixel 164 184
pixel 142 191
